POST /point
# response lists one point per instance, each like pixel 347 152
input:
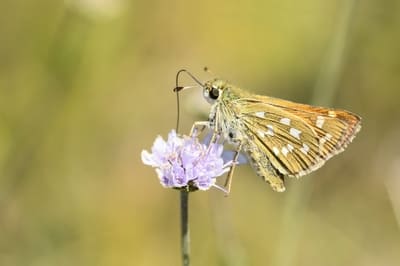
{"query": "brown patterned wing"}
pixel 296 138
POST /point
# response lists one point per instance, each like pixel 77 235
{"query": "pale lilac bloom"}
pixel 183 161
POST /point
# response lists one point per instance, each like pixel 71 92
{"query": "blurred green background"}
pixel 86 85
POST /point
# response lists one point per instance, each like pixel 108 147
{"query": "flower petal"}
pixel 159 146
pixel 147 158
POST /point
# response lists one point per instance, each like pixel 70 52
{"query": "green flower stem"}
pixel 185 234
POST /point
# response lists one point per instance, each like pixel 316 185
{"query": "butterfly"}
pixel 280 138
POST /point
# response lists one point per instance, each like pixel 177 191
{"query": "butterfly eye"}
pixel 214 93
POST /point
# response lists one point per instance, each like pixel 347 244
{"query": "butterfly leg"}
pixel 228 180
pixel 199 127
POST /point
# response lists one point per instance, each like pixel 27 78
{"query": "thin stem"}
pixel 185 233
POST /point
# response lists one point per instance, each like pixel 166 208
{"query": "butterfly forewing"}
pixel 298 138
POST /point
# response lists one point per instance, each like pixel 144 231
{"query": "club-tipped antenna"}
pixel 178 88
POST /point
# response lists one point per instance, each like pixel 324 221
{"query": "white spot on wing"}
pixel 325 138
pixel 320 121
pixel 261 133
pixel 295 132
pixel 275 150
pixel 270 130
pixel 332 113
pixel 285 121
pixel 260 114
pixel 285 151
pixel 305 148
pixel 290 147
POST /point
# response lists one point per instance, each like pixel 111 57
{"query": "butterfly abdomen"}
pixel 263 168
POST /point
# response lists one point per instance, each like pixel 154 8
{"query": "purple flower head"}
pixel 184 162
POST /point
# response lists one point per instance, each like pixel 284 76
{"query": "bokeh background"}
pixel 86 85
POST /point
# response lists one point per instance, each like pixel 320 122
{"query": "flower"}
pixel 184 162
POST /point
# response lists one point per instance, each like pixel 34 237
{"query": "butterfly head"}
pixel 213 90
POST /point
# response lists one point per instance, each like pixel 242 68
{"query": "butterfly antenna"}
pixel 178 88
pixel 177 111
pixel 208 70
